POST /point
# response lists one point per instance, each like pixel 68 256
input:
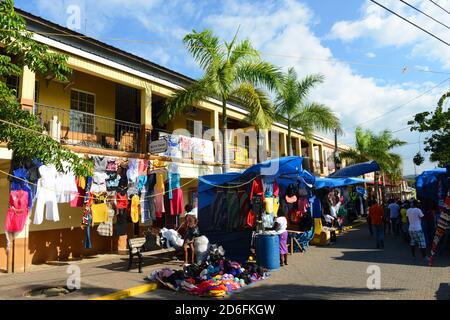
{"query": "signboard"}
pixel 158 146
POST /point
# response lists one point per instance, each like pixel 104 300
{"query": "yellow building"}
pixel 110 107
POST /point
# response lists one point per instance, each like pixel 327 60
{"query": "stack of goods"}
pixel 216 277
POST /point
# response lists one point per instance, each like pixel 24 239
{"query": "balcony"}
pixel 83 129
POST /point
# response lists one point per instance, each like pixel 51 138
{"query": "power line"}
pixel 264 53
pixel 437 5
pixel 404 104
pixel 426 14
pixel 401 17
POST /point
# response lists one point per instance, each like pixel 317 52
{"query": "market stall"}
pixel 233 206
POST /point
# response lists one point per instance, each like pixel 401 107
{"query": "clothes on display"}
pixel 17 214
pixel 100 164
pixel 46 195
pixel 213 276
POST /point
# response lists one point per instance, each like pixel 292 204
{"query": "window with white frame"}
pixel 82 109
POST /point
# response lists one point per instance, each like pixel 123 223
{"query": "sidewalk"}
pixel 100 275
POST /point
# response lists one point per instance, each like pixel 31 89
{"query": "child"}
pixel 281 229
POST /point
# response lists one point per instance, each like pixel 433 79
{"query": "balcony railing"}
pixel 78 128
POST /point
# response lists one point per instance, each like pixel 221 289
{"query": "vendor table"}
pixel 292 234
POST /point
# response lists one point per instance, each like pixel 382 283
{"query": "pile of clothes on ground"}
pixel 215 277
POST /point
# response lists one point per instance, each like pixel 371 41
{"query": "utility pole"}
pixel 337 163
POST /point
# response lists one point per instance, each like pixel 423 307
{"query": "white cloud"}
pixel 371 55
pixel 285 29
pixel 386 29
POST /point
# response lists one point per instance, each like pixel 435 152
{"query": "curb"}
pixel 123 294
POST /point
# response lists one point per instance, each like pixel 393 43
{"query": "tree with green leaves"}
pixel 292 107
pixel 370 146
pixel 231 70
pixel 438 123
pixel 20 129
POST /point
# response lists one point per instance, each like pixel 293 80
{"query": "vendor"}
pixel 191 225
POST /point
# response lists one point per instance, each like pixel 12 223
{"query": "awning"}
pixel 336 182
pixel 356 170
pixel 427 183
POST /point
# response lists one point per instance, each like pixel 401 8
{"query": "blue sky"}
pixel 369 57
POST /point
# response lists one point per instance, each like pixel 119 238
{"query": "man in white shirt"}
pixel 414 215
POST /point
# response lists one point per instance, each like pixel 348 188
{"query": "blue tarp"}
pixel 285 170
pixel 427 183
pixel 356 170
pixel 336 182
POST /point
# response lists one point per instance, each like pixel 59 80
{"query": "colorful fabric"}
pixel 177 202
pixel 17 214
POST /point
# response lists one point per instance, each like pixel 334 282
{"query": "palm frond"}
pixel 318 116
pixel 261 112
pixel 307 83
pixel 204 47
pixel 244 51
pixel 184 98
pixel 258 73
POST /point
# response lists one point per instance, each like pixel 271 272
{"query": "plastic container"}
pixel 268 251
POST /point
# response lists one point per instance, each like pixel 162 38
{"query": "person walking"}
pixel 376 214
pixel 404 219
pixel 394 214
pixel 414 215
pixel 386 219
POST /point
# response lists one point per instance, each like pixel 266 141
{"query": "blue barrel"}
pixel 268 251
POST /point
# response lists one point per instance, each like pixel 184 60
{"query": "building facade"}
pixel 110 107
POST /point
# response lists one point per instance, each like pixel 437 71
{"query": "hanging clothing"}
pixel 177 202
pixel 174 183
pixel 66 186
pixel 78 200
pixel 100 164
pixel 142 167
pixel 142 182
pixel 219 211
pixel 112 182
pixel 87 239
pixel 244 205
pixel 133 170
pixel 134 211
pixel 99 212
pixel 17 214
pixel 99 182
pixel 121 201
pixel 257 188
pixel 46 195
pixel 232 211
pixel 20 182
pixel 121 226
pixel 111 165
pixel 159 190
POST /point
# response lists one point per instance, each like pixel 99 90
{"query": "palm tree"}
pixel 370 146
pixel 292 107
pixel 231 69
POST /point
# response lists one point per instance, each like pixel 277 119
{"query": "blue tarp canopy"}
pixel 285 170
pixel 427 183
pixel 336 182
pixel 356 170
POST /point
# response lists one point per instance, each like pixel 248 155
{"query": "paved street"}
pixel 334 272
